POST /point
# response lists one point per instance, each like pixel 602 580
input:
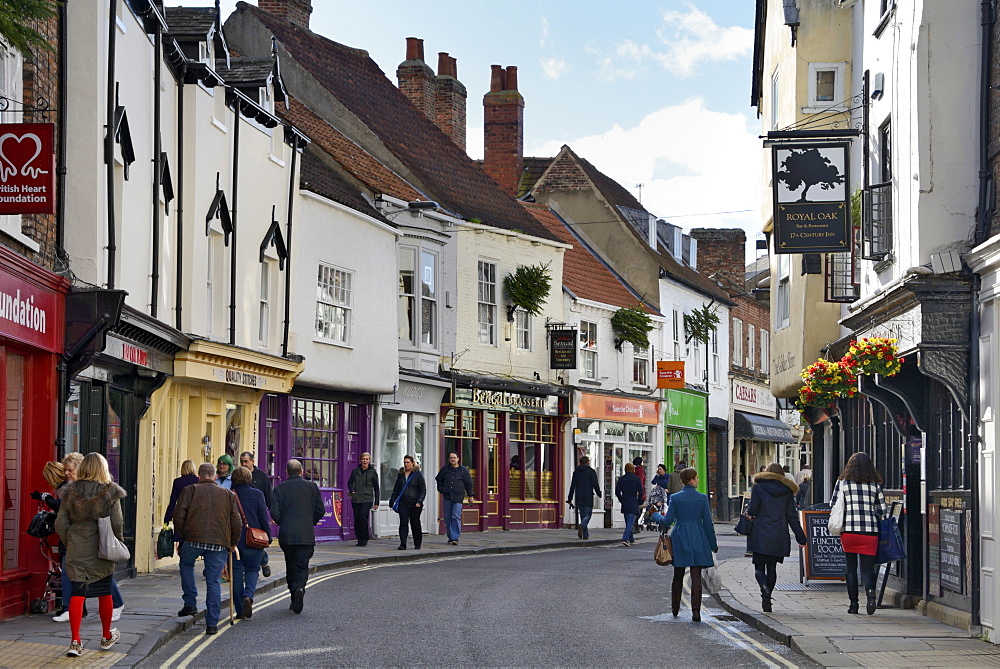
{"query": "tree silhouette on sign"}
pixel 811 168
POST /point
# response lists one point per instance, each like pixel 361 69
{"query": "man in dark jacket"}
pixel 583 487
pixel 208 521
pixel 454 482
pixel 629 492
pixel 262 482
pixel 297 507
pixel 363 490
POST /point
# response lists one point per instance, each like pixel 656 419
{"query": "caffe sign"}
pixel 501 400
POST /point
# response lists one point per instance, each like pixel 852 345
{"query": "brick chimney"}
pixel 722 251
pixel 449 100
pixel 503 120
pixel 296 11
pixel 416 78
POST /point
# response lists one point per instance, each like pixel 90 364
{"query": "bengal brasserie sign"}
pixel 27 168
pixel 506 401
pixel 812 211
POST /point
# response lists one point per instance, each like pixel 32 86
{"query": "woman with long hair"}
pixel 864 506
pixel 189 476
pixel 246 567
pixel 693 539
pixel 93 495
pixel 772 508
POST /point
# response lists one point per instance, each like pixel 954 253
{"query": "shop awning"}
pixel 761 428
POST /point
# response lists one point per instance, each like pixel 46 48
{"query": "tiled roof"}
pixel 533 169
pixel 190 21
pixel 584 274
pixel 319 178
pixel 244 71
pixel 616 194
pixel 447 173
pixel 362 165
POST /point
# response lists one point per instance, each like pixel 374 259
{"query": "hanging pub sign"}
pixel 562 348
pixel 811 202
pixel 27 168
pixel 670 374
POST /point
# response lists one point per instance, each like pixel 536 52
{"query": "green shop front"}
pixel 684 423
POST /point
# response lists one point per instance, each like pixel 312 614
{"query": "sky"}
pixel 655 92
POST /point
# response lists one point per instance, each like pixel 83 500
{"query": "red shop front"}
pixel 32 307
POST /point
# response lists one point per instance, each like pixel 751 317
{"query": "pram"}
pixel 52 594
pixel 658 500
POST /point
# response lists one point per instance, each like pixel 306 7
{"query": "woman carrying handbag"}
pixel 246 562
pixel 408 501
pixel 772 512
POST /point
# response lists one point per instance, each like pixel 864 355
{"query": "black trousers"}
pixel 410 516
pixel 361 512
pixel 297 558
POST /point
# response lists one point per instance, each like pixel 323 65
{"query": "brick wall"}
pixel 296 11
pixel 722 251
pixel 450 100
pixel 503 120
pixel 564 174
pixel 416 78
pixel 758 315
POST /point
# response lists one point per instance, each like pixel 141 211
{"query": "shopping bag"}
pixel 711 579
pixel 165 543
pixel 890 542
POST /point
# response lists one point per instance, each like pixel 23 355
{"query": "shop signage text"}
pixel 670 374
pixel 137 355
pixel 238 378
pixel 812 212
pixel 686 410
pixel 825 557
pixel 562 348
pixel 27 312
pixel 602 407
pixel 27 168
pixel 952 553
pixel 506 401
pixel 757 397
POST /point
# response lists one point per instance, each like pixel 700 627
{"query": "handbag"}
pixel 42 524
pixel 165 543
pixel 110 546
pixel 890 542
pixel 835 523
pixel 664 552
pixel 255 538
pixel 744 525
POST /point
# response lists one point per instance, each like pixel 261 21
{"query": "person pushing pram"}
pixel 659 497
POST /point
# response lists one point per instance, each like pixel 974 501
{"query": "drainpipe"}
pixel 179 288
pixel 288 244
pixel 986 73
pixel 974 440
pixel 109 139
pixel 61 368
pixel 232 251
pixel 157 167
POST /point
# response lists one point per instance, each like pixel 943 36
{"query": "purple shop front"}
pixel 328 437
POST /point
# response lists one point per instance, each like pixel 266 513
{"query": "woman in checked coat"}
pixel 864 506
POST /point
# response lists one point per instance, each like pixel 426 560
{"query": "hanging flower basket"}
pixel 874 355
pixel 811 398
pixel 826 381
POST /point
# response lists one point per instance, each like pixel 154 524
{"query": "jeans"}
pixel 246 570
pixel 361 512
pixel 297 564
pixel 67 586
pixel 214 562
pixel 585 513
pixel 629 527
pixel 453 519
pixel 409 518
pixel 263 557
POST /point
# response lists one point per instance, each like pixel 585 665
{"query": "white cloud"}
pixel 554 67
pixel 690 160
pixel 544 41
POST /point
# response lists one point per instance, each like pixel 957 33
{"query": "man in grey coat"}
pixel 296 508
pixel 363 490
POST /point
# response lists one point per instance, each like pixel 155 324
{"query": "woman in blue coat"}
pixel 693 539
pixel 246 568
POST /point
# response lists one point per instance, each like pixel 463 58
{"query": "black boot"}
pixel 675 597
pixel 765 599
pixel 852 592
pixel 696 596
pixel 870 592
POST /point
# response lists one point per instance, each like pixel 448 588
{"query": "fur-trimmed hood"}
pixel 777 478
pixel 89 500
pixel 416 468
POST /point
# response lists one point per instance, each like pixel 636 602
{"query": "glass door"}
pixel 493 510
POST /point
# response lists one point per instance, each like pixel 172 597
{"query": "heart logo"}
pixel 17 152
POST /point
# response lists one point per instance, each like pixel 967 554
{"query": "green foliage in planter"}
pixel 700 323
pixel 528 287
pixel 633 326
pixel 856 208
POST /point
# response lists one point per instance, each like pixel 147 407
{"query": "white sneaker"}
pixel 116 614
pixel 62 617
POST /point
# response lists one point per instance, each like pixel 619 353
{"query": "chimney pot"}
pixel 414 48
pixel 511 78
pixel 454 66
pixel 496 78
pixel 444 64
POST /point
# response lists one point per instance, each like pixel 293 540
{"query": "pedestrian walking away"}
pixel 864 505
pixel 92 496
pixel 674 483
pixel 804 496
pixel 362 488
pixel 630 494
pixel 246 565
pixel 693 539
pixel 188 477
pixel 224 471
pixel 582 488
pixel 261 481
pixel 407 500
pixel 772 508
pixel 296 509
pixel 207 524
pixel 454 482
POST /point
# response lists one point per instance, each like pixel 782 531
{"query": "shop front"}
pixel 613 430
pixel 685 423
pixel 758 438
pixel 31 341
pixel 512 442
pixel 408 424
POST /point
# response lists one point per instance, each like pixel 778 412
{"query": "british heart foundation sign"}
pixel 27 168
pixel 812 212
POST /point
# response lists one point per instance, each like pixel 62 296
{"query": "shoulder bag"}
pixel 890 542
pixel 110 547
pixel 664 553
pixel 835 523
pixel 256 538
pixel 745 525
pixel 395 505
pixel 43 523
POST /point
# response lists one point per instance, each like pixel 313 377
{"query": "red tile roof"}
pixel 318 176
pixel 584 274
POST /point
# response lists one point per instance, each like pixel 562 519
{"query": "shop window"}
pixel 487 303
pixel 640 366
pixel 395 444
pixel 234 429
pixel 12 492
pixel 461 435
pixel 314 439
pixel 588 349
pixel 523 327
pixel 333 304
pixel 272 423
pixel 737 342
pixel 532 465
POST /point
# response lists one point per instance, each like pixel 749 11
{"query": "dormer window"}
pixel 264 98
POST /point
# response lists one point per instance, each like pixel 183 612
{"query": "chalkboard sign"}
pixel 824 556
pixel 952 550
pixel 934 549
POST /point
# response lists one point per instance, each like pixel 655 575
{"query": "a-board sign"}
pixel 934 549
pixel 824 556
pixel 952 550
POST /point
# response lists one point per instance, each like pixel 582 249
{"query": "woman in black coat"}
pixel 772 508
pixel 188 477
pixel 630 493
pixel 408 501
